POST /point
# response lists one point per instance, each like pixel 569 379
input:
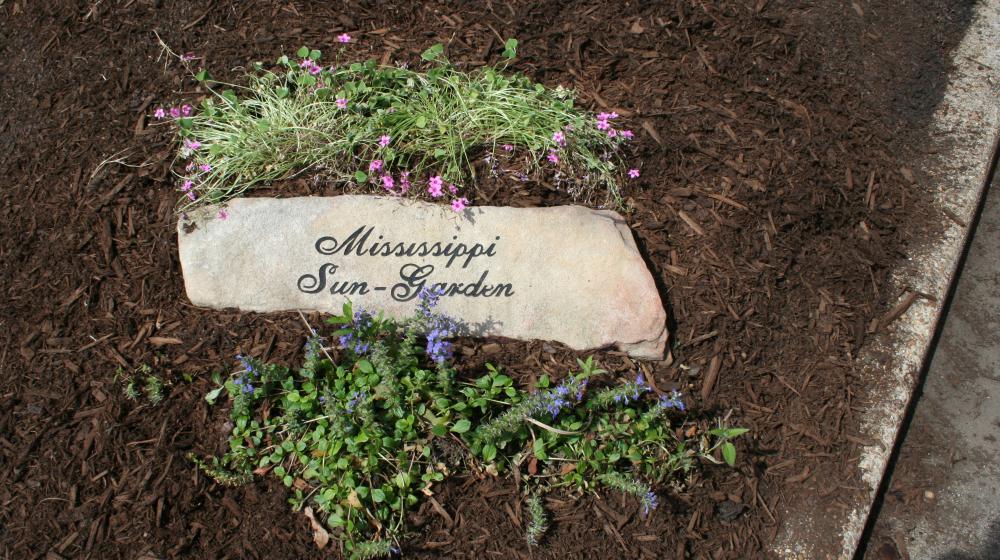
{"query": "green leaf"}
pixel 303 52
pixel 501 381
pixel 439 430
pixel 729 453
pixel 421 121
pixel 433 52
pixel 365 366
pixel 378 495
pixel 510 48
pixel 461 426
pixel 213 394
pixel 440 153
pixel 539 449
pixel 202 75
pixel 281 92
pixel 489 452
pixel 314 55
pixel 360 176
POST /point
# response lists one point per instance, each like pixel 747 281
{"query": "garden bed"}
pixel 774 202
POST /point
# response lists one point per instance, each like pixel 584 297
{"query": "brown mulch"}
pixel 774 201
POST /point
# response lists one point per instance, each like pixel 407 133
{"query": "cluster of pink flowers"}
pixel 309 65
pixel 604 123
pixel 435 186
pixel 175 112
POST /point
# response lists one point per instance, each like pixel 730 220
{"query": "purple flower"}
pixel 559 138
pixel 192 145
pixel 186 110
pixel 375 165
pixel 159 113
pixel 223 215
pixel 175 112
pixel 356 398
pixel 404 181
pixel 508 148
pixel 553 157
pixel 459 204
pixel 341 103
pixel 188 185
pixel 649 503
pixel 188 57
pixel 387 182
pixel 384 140
pixel 633 173
pixel 434 186
pixel 672 401
pixel 344 38
pixel 627 134
pixel 205 167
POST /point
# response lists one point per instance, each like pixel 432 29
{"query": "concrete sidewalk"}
pixel 943 499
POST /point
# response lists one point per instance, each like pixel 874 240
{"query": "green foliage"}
pixel 287 119
pixel 364 438
pixel 140 381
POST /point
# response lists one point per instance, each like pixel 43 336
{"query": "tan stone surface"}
pixel 568 273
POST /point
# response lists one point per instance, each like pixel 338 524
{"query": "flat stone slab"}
pixel 568 273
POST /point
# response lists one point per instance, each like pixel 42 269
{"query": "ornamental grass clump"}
pixel 393 130
pixel 370 422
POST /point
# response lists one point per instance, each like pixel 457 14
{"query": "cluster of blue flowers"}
pixel 439 327
pixel 649 503
pixel 314 345
pixel 672 401
pixel 632 391
pixel 357 397
pixel 250 374
pixel 566 394
pixel 352 341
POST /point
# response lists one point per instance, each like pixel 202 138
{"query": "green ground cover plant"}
pixel 394 130
pixel 363 439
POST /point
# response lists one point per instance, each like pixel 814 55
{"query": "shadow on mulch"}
pixel 771 209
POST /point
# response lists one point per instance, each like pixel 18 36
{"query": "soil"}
pixel 774 200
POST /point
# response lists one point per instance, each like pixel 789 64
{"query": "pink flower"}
pixel 508 148
pixel 192 145
pixel 188 57
pixel 559 138
pixel 603 125
pixel 612 133
pixel 452 188
pixel 404 181
pixel 310 66
pixel 341 103
pixel 175 112
pixel 387 182
pixel 186 110
pixel 375 165
pixel 553 157
pixel 188 185
pixel 192 196
pixel 434 186
pixel 627 134
pixel 344 38
pixel 459 204
pixel 384 140
pixel 189 166
pixel 633 173
pixel 159 113
pixel 223 214
pixel 205 167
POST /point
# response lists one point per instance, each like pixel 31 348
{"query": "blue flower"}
pixel 356 398
pixel 248 365
pixel 672 401
pixel 649 503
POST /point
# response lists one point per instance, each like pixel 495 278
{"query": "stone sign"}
pixel 567 273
